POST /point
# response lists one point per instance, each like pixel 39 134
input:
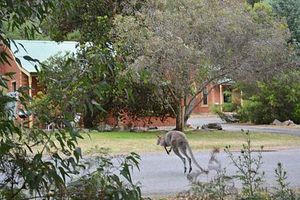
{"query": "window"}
pixel 14 86
pixel 205 97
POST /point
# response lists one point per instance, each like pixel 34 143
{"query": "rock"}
pixel 139 129
pixel 152 127
pixel 230 118
pixel 216 126
pixel 104 128
pixel 288 123
pixel 276 122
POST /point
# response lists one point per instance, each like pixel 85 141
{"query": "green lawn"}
pixel 124 142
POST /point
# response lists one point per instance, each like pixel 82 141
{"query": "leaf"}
pixel 77 153
pixel 28 58
pixel 4 148
pixel 63 173
pixel 28 147
pixel 125 172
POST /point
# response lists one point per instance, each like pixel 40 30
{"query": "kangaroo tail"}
pixel 194 160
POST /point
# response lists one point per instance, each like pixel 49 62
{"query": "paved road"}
pixel 161 174
pixel 200 120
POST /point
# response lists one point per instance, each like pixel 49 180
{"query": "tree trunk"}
pixel 88 120
pixel 180 117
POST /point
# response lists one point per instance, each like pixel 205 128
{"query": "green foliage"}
pixel 188 45
pixel 101 78
pixel 22 153
pixel 102 88
pixel 23 161
pixel 290 10
pixel 254 112
pixel 5 193
pixel 248 166
pixel 22 16
pixel 282 191
pixel 147 100
pixel 262 13
pixel 253 2
pixel 275 99
pixel 90 83
pixel 19 34
pixel 220 187
pixel 109 181
pixel 228 107
pixel 85 21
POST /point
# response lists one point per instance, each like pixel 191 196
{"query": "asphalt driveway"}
pixel 162 174
pixel 199 120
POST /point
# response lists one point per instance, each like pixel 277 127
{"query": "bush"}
pixel 109 181
pixel 256 112
pixel 248 172
pixel 248 165
pixel 226 107
pixel 275 99
pixel 282 192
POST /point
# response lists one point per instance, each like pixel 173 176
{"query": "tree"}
pixel 188 45
pixel 290 10
pixel 110 90
pixel 110 93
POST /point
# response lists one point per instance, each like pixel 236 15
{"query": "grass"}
pixel 125 142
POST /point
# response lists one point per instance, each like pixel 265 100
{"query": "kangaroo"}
pixel 176 140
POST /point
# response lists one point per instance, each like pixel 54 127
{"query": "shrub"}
pixel 282 192
pixel 275 99
pixel 226 107
pixel 109 181
pixel 256 112
pixel 248 164
pixel 218 188
pixel 248 172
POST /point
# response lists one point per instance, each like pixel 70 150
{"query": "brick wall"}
pixel 11 67
pixel 140 122
pixel 212 99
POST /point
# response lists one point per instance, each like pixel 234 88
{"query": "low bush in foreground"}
pixel 111 180
pixel 248 164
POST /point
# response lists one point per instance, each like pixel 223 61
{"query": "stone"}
pixel 139 129
pixel 152 127
pixel 208 126
pixel 276 122
pixel 229 118
pixel 105 128
pixel 288 123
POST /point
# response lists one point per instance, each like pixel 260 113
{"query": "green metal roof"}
pixel 40 50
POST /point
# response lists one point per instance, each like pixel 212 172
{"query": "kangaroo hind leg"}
pixel 184 152
pixel 175 150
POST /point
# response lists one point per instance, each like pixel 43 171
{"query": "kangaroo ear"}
pixel 158 136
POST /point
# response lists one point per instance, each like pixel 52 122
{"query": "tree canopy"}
pixel 290 10
pixel 187 45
